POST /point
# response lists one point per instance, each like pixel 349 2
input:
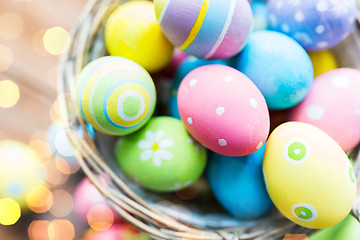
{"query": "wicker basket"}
pixel 162 216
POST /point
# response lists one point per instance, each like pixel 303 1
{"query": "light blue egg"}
pixel 238 185
pixel 279 67
pixel 261 15
pixel 189 64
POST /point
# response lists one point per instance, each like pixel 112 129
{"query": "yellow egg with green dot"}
pixel 322 62
pixel 115 95
pixel 162 156
pixel 308 176
pixel 133 32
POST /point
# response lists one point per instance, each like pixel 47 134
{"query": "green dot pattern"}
pixel 303 213
pixel 297 151
pixel 352 175
pixel 131 106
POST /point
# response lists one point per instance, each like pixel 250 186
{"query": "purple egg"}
pixel 207 29
pixel 316 25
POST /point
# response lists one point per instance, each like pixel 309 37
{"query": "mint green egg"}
pixel 161 156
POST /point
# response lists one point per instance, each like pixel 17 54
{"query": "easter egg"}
pixel 162 156
pixel 316 25
pixel 189 64
pixel 238 184
pixel 261 14
pixel 133 32
pixel 279 67
pixel 322 61
pixel 309 177
pixel 223 110
pixel 89 201
pixel 115 95
pixel 349 228
pixel 333 105
pixel 207 28
pixel 21 172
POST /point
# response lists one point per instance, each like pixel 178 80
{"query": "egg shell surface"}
pixel 162 156
pixel 238 184
pixel 189 64
pixel 133 32
pixel 87 196
pixel 223 110
pixel 279 67
pixel 349 228
pixel 115 95
pixel 322 61
pixel 316 25
pixel 333 105
pixel 308 176
pixel 208 28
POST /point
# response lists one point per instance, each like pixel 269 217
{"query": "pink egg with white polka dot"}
pixel 224 110
pixel 333 105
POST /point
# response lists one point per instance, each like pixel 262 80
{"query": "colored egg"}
pixel 238 184
pixel 207 28
pixel 349 228
pixel 223 110
pixel 176 60
pixel 162 156
pixel 322 61
pixel 309 177
pixel 316 25
pixel 333 105
pixel 261 15
pixel 133 32
pixel 115 95
pixel 279 67
pixel 189 64
pixel 88 200
pixel 21 173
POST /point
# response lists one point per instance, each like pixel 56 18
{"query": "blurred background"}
pixel 33 34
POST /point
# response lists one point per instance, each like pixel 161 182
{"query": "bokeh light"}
pixel 55 110
pixel 11 25
pixel 63 203
pixel 38 229
pixel 6 58
pixel 39 8
pixel 100 217
pixel 10 211
pixel 56 40
pixel 53 175
pixel 9 92
pixel 61 230
pixel 66 167
pixel 39 198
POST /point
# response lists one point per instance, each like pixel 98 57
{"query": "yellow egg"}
pixel 309 177
pixel 132 32
pixel 322 61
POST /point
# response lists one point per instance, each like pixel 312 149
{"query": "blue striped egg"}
pixel 205 28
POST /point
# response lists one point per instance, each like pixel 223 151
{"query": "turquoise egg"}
pixel 279 66
pixel 238 185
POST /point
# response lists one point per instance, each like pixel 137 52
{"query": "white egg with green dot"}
pixel 115 95
pixel 162 156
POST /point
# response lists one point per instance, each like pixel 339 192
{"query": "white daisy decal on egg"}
pixel 154 147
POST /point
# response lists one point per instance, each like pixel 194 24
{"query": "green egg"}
pixel 162 156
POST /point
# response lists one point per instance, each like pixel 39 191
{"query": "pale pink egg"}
pixel 333 105
pixel 87 197
pixel 224 110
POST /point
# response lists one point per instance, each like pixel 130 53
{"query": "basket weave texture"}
pixel 87 44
